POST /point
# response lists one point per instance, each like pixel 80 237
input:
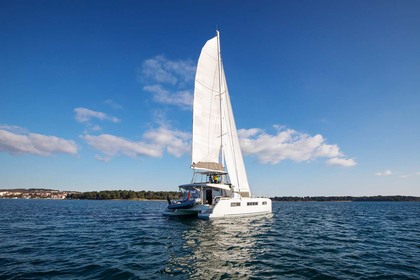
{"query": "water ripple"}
pixel 44 239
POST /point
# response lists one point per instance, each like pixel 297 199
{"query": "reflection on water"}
pixel 217 248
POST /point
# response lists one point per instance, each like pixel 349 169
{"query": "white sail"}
pixel 231 149
pixel 214 129
pixel 206 108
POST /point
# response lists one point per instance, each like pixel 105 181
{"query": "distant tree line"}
pixel 347 198
pixel 162 195
pixel 123 194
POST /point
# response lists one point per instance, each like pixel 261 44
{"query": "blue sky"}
pixel 97 95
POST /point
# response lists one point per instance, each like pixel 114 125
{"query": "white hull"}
pixel 226 207
pixel 232 207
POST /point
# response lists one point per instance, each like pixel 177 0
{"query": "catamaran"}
pixel 219 186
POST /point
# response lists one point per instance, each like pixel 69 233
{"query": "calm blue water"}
pixel 49 239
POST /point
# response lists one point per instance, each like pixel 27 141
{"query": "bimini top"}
pixel 208 166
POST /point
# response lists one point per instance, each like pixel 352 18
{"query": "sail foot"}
pixel 210 166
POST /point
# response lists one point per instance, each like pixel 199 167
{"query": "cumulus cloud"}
pixel 32 143
pixel 84 115
pixel 384 173
pixel 175 142
pixel 346 162
pixel 248 133
pixel 288 144
pixel 112 145
pixel 162 70
pixel 168 80
pixel 14 128
pixel 182 99
pixel 154 143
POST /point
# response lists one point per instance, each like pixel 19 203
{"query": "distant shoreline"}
pixel 41 193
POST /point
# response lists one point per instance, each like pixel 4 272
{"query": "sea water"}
pixel 71 239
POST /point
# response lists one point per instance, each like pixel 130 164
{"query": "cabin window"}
pixel 235 204
pixel 252 203
pixel 264 203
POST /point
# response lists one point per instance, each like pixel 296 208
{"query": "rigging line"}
pixel 233 151
pixel 221 93
pixel 209 88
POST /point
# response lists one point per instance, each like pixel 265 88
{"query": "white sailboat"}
pixel 219 187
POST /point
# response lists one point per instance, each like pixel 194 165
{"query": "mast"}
pixel 219 65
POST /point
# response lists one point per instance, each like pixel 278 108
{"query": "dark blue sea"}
pixel 70 239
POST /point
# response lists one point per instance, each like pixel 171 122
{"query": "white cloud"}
pixel 112 145
pixel 102 158
pixel 175 142
pixel 384 173
pixel 390 173
pixel 182 99
pixel 15 129
pixel 155 142
pixel 84 115
pixel 162 70
pixel 169 80
pixel 96 128
pixel 410 175
pixel 33 143
pixel 346 162
pixel 113 104
pixel 247 133
pixel 288 144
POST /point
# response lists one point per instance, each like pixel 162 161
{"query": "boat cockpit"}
pixel 207 187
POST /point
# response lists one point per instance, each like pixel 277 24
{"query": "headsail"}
pixel 231 149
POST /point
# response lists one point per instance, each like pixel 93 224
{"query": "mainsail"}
pixel 215 137
pixel 206 108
